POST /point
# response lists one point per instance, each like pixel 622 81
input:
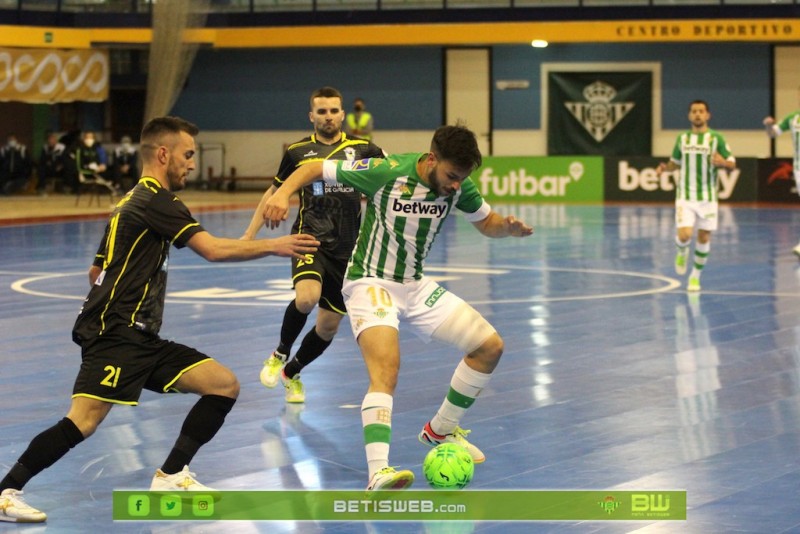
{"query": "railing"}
pixel 284 6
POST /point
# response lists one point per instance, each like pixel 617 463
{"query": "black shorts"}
pixel 330 272
pixel 116 366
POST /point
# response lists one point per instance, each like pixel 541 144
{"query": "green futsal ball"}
pixel 448 466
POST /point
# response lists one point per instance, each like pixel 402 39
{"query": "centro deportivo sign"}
pixel 555 178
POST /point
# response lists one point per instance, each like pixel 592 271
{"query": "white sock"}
pixel 701 251
pixel 465 386
pixel 376 418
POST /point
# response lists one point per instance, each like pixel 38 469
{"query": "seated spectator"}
pixel 86 160
pixel 16 167
pixel 125 167
pixel 51 164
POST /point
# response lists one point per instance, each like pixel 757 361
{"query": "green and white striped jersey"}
pixel 403 215
pixel 693 153
pixel 792 124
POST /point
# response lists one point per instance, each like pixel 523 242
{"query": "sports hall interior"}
pixel 614 376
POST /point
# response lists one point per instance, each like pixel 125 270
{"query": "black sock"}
pixel 201 424
pixel 310 349
pixel 293 322
pixel 43 451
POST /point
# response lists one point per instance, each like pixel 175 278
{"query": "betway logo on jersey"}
pixel 556 178
pixel 418 208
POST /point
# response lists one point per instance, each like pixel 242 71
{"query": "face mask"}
pixel 359 108
pixel 89 142
pixel 12 144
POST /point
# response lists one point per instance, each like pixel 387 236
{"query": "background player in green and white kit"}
pixel 790 123
pixel 697 153
pixel 331 213
pixel 409 197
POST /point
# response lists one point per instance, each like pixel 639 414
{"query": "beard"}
pixel 436 185
pixel 176 180
pixel 329 131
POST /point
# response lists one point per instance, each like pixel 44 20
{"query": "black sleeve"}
pixel 100 256
pixel 286 168
pixel 171 219
pixel 374 151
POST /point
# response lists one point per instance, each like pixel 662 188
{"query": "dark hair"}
pixel 157 128
pixel 457 145
pixel 699 102
pixel 325 92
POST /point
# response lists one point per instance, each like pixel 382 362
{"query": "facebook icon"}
pixel 138 505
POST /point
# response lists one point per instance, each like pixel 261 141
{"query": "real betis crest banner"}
pixel 601 113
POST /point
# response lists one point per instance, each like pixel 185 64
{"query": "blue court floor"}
pixel 614 377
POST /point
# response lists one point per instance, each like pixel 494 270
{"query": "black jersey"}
pixel 331 213
pixel 134 252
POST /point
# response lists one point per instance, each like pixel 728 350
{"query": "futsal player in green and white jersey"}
pixel 409 196
pixel 790 123
pixel 698 153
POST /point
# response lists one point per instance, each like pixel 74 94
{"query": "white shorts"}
pixel 689 212
pixel 423 304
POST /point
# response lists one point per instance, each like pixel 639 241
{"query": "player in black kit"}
pixel 118 325
pixel 332 214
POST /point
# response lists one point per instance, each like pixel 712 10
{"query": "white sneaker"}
pixel 15 510
pixel 680 263
pixel 295 392
pixel 180 481
pixel 272 369
pixel 459 437
pixel 389 479
pixel 693 285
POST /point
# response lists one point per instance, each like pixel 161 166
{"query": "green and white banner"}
pixel 415 505
pixel 607 113
pixel 540 179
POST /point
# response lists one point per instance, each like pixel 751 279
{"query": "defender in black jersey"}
pixel 118 325
pixel 332 213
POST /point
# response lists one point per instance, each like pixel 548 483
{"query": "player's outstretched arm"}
pixel 258 218
pixel 224 249
pixel 277 206
pixel 495 225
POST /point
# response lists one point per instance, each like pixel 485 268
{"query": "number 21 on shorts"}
pixel 112 377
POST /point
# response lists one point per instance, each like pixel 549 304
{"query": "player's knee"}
pixel 227 384
pixel 327 330
pixel 492 347
pixel 85 424
pixel 384 383
pixel 305 304
pixel 327 334
pixel 233 387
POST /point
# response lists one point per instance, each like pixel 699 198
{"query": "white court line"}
pixel 669 284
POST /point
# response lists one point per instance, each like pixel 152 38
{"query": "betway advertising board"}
pixel 636 179
pixel 541 178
